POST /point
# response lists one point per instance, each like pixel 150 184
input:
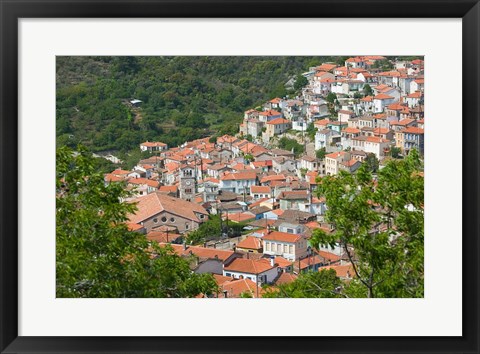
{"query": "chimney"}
pixel 272 261
pixel 225 294
pixel 184 246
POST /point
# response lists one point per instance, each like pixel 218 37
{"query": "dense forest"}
pixel 183 98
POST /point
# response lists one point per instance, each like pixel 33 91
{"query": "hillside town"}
pixel 259 187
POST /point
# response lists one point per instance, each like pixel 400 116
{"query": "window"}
pixel 290 249
pixel 155 220
pixel 228 274
pixel 202 216
pixel 172 219
pixel 285 248
pixel 187 226
pixel 164 219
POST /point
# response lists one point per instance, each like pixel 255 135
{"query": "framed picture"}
pixel 355 81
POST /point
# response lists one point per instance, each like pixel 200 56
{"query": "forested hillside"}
pixel 184 98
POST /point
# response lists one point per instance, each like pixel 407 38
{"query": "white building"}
pixel 260 271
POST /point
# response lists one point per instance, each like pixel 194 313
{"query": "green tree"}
pixel 372 162
pixel 323 284
pixel 96 254
pixel 380 225
pixel 320 153
pixel 311 131
pixel 289 144
pixel 331 97
pixel 300 82
pixel 367 90
pixel 395 152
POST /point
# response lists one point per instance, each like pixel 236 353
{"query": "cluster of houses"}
pixel 270 192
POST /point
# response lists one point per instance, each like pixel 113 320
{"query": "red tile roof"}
pixel 260 189
pixel 382 96
pixel 250 242
pixel 202 252
pixel 250 266
pixel 156 202
pixel 278 121
pixel 239 176
pixel 282 237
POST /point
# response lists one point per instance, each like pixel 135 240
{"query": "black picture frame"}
pixel 11 11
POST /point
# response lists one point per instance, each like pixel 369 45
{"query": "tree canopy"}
pixel 382 221
pixel 323 284
pixel 96 254
pixel 183 97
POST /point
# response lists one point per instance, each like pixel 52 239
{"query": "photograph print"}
pixel 240 176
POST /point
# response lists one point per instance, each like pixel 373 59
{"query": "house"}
pixel 206 260
pixel 157 209
pixel 236 288
pixel 337 126
pixel 310 163
pixel 263 271
pixel 276 103
pixel 239 182
pixel 343 271
pixel 254 127
pixel 276 127
pixel 170 190
pixel 417 85
pixel 290 228
pixel 322 82
pixel 210 191
pixel 152 146
pixel 413 138
pixel 290 200
pixel 414 99
pixel 344 115
pixel 259 192
pixel 326 67
pixel 333 160
pixel 281 164
pixel 250 244
pixel 356 62
pixel 251 114
pixel 264 165
pixel 293 109
pixel 328 139
pixel 365 105
pixel 349 166
pixel 321 124
pixel 289 246
pixel 381 101
pixel 218 170
pixel 405 83
pixel 269 115
pixel 347 134
pixel 143 186
pixel 389 78
pixel 376 145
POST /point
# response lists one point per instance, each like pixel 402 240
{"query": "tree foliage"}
pixel 323 284
pixel 372 163
pixel 183 98
pixel 300 82
pixel 367 90
pixel 96 255
pixel 383 221
pixel 289 144
pixel 213 229
pixel 320 153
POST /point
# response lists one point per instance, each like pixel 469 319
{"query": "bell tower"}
pixel 187 183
